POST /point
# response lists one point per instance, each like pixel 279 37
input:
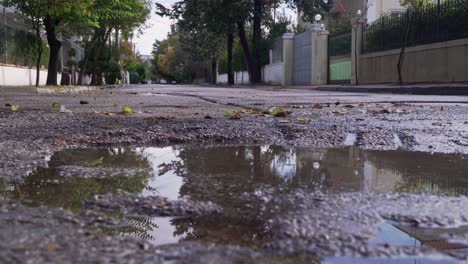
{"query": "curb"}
pixel 50 90
pixel 427 90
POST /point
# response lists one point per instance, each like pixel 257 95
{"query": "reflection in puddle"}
pixel 221 174
pixel 350 260
pixel 157 230
pixel 436 238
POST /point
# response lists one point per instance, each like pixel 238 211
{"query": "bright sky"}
pixel 158 27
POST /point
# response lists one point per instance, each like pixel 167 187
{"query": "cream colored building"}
pixel 378 7
pixel 375 9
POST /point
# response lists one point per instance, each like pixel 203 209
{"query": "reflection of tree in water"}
pixel 220 174
pixel 46 186
pixel 424 172
pixel 102 157
pixel 224 230
pixel 140 227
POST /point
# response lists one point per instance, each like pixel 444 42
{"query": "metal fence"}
pixel 302 64
pixel 440 21
pixel 340 45
pixel 18 44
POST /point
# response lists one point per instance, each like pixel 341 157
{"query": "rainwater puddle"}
pixel 442 239
pixel 222 174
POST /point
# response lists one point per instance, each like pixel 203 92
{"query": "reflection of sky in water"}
pixel 350 260
pixel 391 235
pixel 284 165
pixel 169 184
pixel 165 232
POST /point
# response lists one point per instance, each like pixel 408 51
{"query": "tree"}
pixel 124 16
pixel 204 25
pixel 416 5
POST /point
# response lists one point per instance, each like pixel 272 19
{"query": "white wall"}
pixel 21 76
pixel 273 73
pixel 240 78
pixel 222 78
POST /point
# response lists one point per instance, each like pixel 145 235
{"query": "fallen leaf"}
pixel 233 114
pixel 183 106
pixel 300 119
pixel 127 110
pixel 317 106
pixel 349 106
pixel 248 111
pixel 466 122
pixel 342 112
pixel 55 105
pixel 298 106
pixel 14 108
pixel 386 111
pixel 52 247
pixel 278 112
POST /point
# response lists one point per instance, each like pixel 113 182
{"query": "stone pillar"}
pixel 356 48
pixel 319 55
pixel 288 59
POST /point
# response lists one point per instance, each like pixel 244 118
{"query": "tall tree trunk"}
pixel 40 50
pixel 104 35
pixel 55 46
pixel 256 42
pixel 214 71
pixel 82 68
pixel 117 46
pixel 230 42
pixel 245 48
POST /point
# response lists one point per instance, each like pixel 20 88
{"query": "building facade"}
pixel 372 9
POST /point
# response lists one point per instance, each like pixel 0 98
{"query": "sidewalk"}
pixel 49 89
pixel 415 89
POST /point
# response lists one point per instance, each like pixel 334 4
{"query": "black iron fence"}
pixel 440 21
pixel 340 45
pixel 18 43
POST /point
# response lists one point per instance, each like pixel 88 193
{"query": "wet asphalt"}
pixel 314 226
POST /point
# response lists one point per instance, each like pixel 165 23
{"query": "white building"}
pixel 375 9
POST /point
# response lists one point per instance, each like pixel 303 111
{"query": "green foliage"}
pixel 21 47
pixel 15 108
pixel 173 62
pixel 134 78
pixel 415 3
pixel 55 105
pixel 71 63
pixel 112 72
pixel 139 70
